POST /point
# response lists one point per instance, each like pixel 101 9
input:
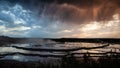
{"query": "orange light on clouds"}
pixel 99 29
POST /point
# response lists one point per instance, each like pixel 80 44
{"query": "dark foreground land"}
pixel 71 63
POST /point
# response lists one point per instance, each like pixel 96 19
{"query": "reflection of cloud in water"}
pixel 58 46
pixel 31 58
pixel 64 46
pixel 16 57
pixel 19 58
pixel 8 49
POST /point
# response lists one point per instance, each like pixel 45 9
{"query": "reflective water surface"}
pixel 9 49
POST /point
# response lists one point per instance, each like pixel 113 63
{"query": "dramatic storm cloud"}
pixel 60 18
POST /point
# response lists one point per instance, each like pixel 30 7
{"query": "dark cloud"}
pixel 69 11
pixel 78 11
pixel 106 9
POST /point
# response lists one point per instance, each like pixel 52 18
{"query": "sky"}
pixel 60 18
